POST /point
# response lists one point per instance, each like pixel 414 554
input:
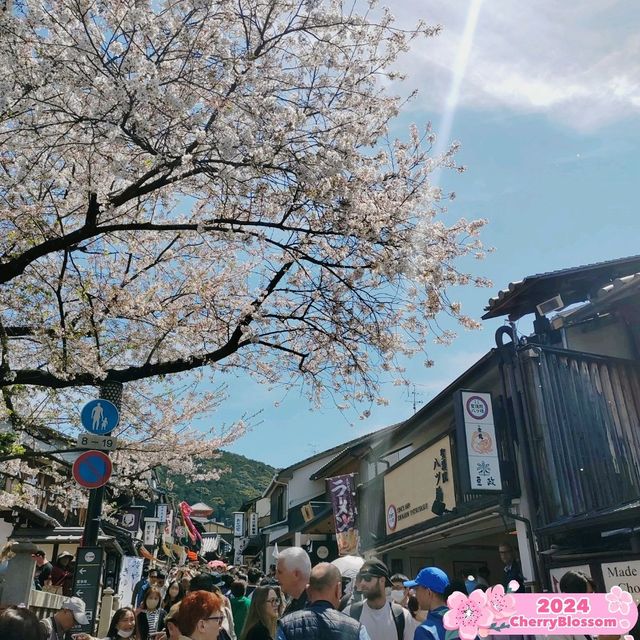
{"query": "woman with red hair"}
pixel 200 616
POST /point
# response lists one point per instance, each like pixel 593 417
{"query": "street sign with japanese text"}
pixel 86 582
pixel 477 443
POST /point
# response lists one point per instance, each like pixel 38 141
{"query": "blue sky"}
pixel 548 117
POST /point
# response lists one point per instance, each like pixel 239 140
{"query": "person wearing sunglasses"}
pixel 382 619
pixel 262 618
pixel 200 616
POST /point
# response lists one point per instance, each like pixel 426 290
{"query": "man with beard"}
pixel 382 619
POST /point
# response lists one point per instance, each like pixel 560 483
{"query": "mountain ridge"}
pixel 244 480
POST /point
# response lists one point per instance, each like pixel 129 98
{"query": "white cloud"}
pixel 577 62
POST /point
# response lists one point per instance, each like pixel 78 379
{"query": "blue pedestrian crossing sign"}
pixel 100 416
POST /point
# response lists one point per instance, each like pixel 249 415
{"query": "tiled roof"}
pixel 605 295
pixel 574 284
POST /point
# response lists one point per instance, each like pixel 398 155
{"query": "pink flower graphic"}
pixel 468 614
pixel 501 604
pixel 619 600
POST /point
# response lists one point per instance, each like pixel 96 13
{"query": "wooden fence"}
pixel 585 429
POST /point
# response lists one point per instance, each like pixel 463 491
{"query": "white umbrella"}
pixel 348 565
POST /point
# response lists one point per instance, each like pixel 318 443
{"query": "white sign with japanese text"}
pixel 253 525
pixel 482 447
pixel 238 524
pixel 162 510
pixel 417 485
pixel 150 527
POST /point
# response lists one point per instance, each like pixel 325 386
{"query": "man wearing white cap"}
pixel 71 614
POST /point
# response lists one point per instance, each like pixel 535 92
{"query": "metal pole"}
pixel 111 391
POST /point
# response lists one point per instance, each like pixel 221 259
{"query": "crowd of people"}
pixel 292 602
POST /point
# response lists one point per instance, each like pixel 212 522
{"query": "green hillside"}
pixel 244 480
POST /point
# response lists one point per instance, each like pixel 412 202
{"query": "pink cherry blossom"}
pixel 619 601
pixel 179 203
pixel 513 586
pixel 468 614
pixel 501 604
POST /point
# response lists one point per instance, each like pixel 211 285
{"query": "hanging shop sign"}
pixel 342 490
pixel 420 488
pixel 162 511
pixel 238 524
pixel 150 528
pixel 129 519
pixel 253 524
pixel 478 459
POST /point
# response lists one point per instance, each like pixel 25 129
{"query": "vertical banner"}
pixel 476 439
pixel 130 573
pixel 150 527
pixel 253 525
pixel 168 525
pixel 342 490
pixel 238 524
pixel 162 510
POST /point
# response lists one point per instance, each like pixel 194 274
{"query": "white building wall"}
pixel 300 488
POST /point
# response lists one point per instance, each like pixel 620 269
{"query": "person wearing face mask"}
pixel 123 625
pixel 174 594
pixel 151 619
pixel 399 593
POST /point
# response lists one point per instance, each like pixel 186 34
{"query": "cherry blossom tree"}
pixel 189 188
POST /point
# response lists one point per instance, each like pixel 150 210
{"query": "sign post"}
pixel 86 583
pixel 92 469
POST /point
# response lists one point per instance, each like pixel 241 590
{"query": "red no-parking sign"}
pixel 92 469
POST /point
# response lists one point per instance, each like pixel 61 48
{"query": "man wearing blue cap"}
pixel 430 585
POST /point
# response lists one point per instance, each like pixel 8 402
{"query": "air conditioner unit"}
pixel 553 304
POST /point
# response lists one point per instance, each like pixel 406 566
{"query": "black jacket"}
pixel 297 604
pixel 258 632
pixel 142 624
pixel 319 621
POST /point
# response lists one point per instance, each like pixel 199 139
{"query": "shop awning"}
pixel 64 535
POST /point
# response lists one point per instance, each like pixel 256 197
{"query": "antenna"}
pixel 413 394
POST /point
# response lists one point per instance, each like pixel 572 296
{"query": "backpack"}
pixel 396 611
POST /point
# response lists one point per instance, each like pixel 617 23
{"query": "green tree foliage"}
pixel 242 480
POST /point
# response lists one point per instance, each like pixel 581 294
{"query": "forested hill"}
pixel 246 479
